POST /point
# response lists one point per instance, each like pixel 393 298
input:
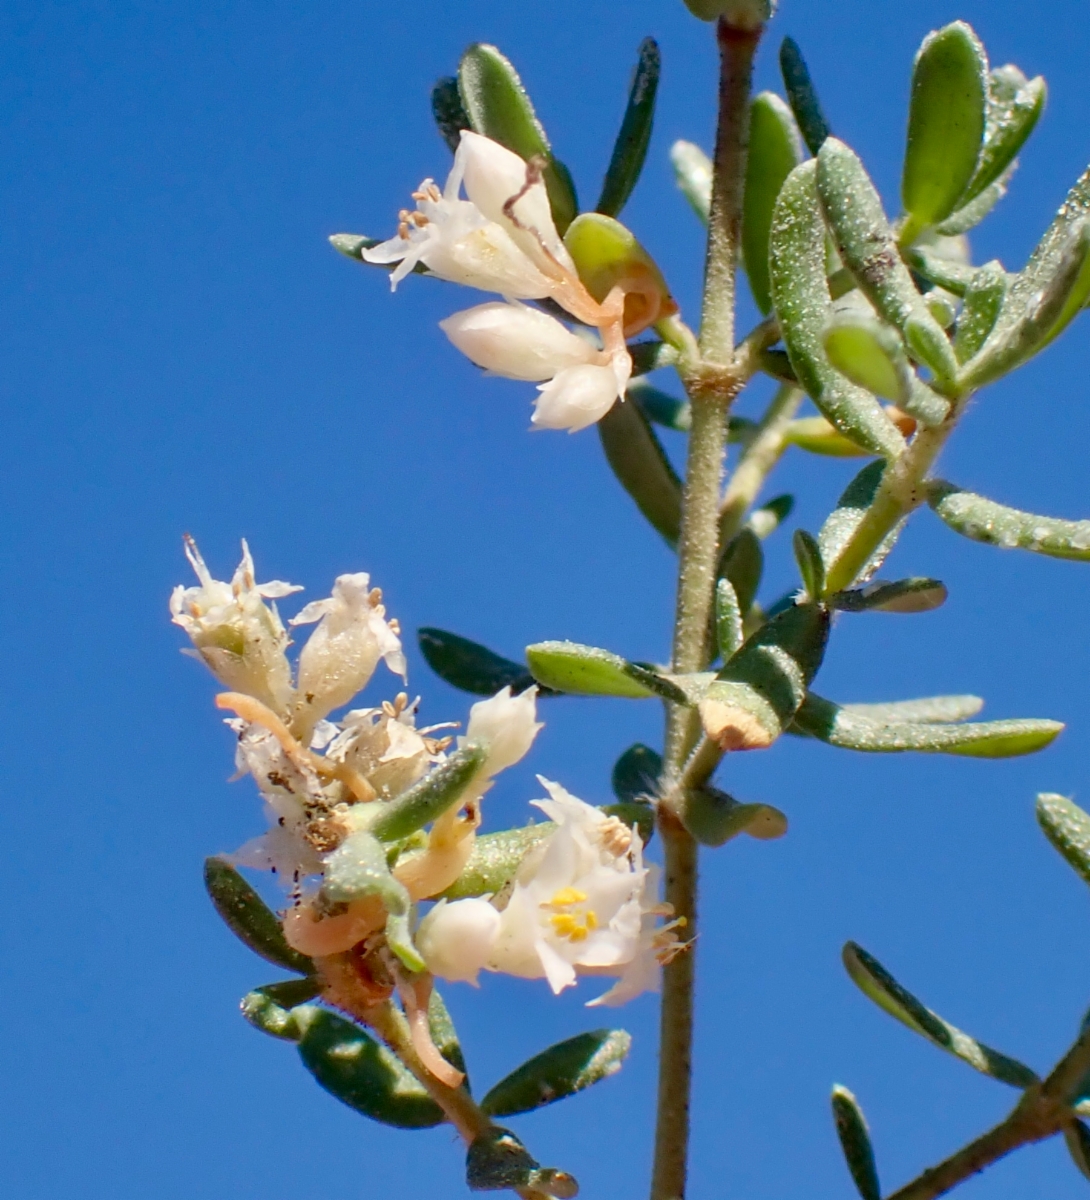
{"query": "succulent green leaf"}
pixel 649 355
pixel 845 519
pixel 810 564
pixel 636 773
pixel 693 175
pixel 803 303
pixel 816 436
pixel 760 688
pixel 607 254
pixel 269 1008
pixel 877 984
pixel 1027 323
pixel 1077 1139
pixel 358 868
pixel 898 596
pixel 359 1072
pixel 939 269
pixel 765 520
pixel 470 666
pixel 352 245
pixel 846 728
pixel 851 1129
pixel 659 406
pixel 630 149
pixel 249 918
pixel 559 1072
pixel 927 710
pixel 714 818
pixel 1067 827
pixel 728 619
pixel 983 299
pixel 942 305
pixel 853 210
pixel 1048 269
pixel 449 112
pixel 869 352
pixel 742 565
pixel 429 797
pixel 775 149
pixel 497 1161
pixel 995 524
pixel 946 118
pixel 498 107
pixel 1014 106
pixel 494 860
pixel 642 468
pixel 802 96
pixel 584 670
pixel 969 215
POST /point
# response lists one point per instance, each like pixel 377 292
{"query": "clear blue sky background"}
pixel 181 350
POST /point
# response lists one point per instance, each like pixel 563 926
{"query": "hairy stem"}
pixel 712 385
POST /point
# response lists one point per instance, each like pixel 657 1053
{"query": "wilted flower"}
pixel 503 239
pixel 341 654
pixel 234 632
pixel 583 903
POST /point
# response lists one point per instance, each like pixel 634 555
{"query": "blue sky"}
pixel 181 350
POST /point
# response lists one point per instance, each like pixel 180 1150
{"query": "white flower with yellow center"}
pixel 583 903
pixel 503 239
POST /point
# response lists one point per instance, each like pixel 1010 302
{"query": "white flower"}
pixel 239 638
pixel 473 242
pixel 384 746
pixel 341 654
pixel 503 239
pixel 506 725
pixel 583 903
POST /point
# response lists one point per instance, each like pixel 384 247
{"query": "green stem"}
pixel 898 494
pixel 712 385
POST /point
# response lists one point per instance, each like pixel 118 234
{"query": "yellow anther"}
pixel 564 924
pixel 591 919
pixel 578 934
pixel 566 897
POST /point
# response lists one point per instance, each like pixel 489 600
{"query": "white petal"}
pixel 456 939
pixel 558 971
pixel 507 725
pixel 516 341
pixel 576 398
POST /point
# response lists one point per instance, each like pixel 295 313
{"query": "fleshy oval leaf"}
pixel 946 119
pixel 559 1072
pixel 775 149
pixel 693 175
pixel 642 467
pixel 802 95
pixel 996 524
pixel 636 773
pixel 851 1129
pixel 498 107
pixel 249 918
pixel 494 860
pixel 877 984
pixel 846 728
pixel 584 671
pixel 803 304
pixel 1067 827
pixel 269 1008
pixel 469 666
pixel 634 136
pixel 359 1072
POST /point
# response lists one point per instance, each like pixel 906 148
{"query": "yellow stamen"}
pixel 566 897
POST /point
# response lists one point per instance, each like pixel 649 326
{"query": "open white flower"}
pixel 583 903
pixel 341 654
pixel 506 725
pixel 503 239
pixel 239 637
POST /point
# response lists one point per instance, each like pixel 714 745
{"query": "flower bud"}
pixel 456 939
pixel 516 341
pixel 235 634
pixel 341 654
pixel 579 396
pixel 506 726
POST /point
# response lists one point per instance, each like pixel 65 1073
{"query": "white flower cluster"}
pixel 583 901
pixel 502 239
